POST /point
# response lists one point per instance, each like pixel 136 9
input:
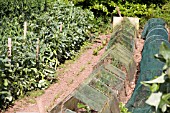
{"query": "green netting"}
pixel 149 66
pixel 151 48
pixel 124 33
pixel 152 23
pixel 154 37
pixel 158 31
pixel 137 102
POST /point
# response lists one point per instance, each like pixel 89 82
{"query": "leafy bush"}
pixel 163 12
pixel 134 8
pixel 60 28
pixel 160 87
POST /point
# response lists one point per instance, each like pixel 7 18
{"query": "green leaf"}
pixel 7 65
pixel 163 105
pixel 166 98
pixel 52 71
pixel 154 99
pixel 9 98
pixel 35 70
pixel 164 108
pixel 160 79
pixel 4 92
pixel 154 87
pixel 5 82
pixel 165 51
pixel 80 105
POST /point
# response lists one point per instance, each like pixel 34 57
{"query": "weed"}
pixel 35 94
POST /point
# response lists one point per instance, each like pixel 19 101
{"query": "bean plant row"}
pixel 54 28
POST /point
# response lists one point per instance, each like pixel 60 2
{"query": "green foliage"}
pixel 122 108
pixel 160 87
pixel 61 29
pixel 163 12
pixel 138 7
pixel 149 2
pixel 83 106
pixel 133 8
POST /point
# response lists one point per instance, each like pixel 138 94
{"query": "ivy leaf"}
pixel 154 99
pixel 165 51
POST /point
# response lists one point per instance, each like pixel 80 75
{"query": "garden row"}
pixel 158 90
pixel 101 91
pixel 54 32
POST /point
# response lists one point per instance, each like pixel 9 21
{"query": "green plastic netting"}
pixel 152 23
pixel 100 91
pixel 157 31
pixel 149 66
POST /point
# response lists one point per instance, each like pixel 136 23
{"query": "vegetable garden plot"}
pixel 56 28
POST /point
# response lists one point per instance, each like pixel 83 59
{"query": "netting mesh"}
pixel 157 31
pixel 152 23
pixel 100 91
pixel 123 35
pixel 149 66
pixel 120 57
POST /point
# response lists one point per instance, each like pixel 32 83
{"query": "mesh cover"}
pixel 100 91
pixel 152 23
pixel 155 34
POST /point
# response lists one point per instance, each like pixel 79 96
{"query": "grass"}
pixel 70 81
pixel 31 100
pixel 53 102
pixel 35 94
pixel 30 96
pixel 82 68
pixel 96 50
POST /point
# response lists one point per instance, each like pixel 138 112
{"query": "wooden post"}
pixel 37 49
pixel 61 27
pixel 25 30
pixel 9 50
pixel 117 8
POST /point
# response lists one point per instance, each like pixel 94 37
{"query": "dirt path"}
pixel 70 78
